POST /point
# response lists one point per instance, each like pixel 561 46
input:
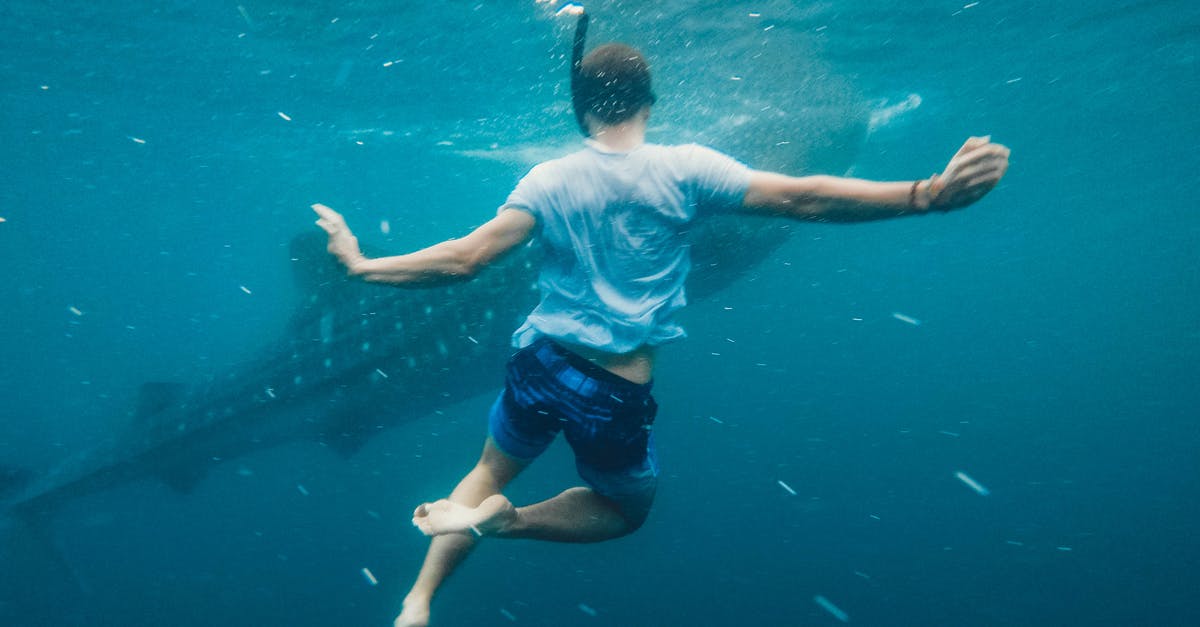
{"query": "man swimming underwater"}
pixel 612 219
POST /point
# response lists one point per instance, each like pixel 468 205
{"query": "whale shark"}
pixel 357 358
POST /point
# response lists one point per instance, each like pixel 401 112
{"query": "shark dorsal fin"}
pixel 313 267
pixel 156 396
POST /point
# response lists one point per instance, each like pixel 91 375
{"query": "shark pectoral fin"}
pixel 182 478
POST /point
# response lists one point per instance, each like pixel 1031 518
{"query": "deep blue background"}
pixel 1059 337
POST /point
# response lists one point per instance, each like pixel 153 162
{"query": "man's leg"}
pixel 576 515
pixel 490 475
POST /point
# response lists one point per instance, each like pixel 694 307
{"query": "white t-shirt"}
pixel 614 227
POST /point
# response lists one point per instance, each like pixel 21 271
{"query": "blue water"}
pixel 148 177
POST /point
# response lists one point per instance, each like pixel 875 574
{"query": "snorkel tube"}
pixel 581 27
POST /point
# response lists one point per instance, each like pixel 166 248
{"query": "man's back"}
pixel 615 229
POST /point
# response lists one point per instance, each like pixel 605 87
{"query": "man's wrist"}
pixel 921 195
pixel 355 263
pixel 932 189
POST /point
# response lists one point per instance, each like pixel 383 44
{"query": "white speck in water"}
pixel 905 318
pixel 302 489
pixel 369 576
pixel 285 116
pixel 834 610
pixel 971 483
pixel 786 487
pixel 587 609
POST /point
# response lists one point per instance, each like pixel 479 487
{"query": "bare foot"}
pixel 495 514
pixel 415 614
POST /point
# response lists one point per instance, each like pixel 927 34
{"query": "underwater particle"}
pixel 286 117
pixel 786 487
pixel 75 310
pixel 2 220
pixel 245 289
pixel 949 433
pixel 385 227
pixel 587 609
pixel 971 5
pixel 1014 543
pixel 904 318
pixel 507 614
pixel 971 483
pixel 860 573
pixel 369 576
pixel 473 340
pixel 1064 549
pixel 270 392
pixel 303 490
pixel 1013 80
pixel 381 373
pixel 137 140
pixel 716 420
pixel 834 610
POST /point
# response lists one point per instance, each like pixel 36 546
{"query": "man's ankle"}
pixel 416 597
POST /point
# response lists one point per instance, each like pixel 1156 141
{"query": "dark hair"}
pixel 614 84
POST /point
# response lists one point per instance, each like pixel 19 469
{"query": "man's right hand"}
pixel 973 171
pixel 342 242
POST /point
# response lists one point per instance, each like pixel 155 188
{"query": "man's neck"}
pixel 622 137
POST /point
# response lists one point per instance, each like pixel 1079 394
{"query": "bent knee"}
pixel 633 511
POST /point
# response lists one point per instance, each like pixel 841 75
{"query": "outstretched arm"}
pixel 451 260
pixel 971 173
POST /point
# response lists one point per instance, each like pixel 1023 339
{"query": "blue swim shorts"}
pixel 607 419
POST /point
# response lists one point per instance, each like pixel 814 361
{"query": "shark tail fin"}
pixel 29 539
